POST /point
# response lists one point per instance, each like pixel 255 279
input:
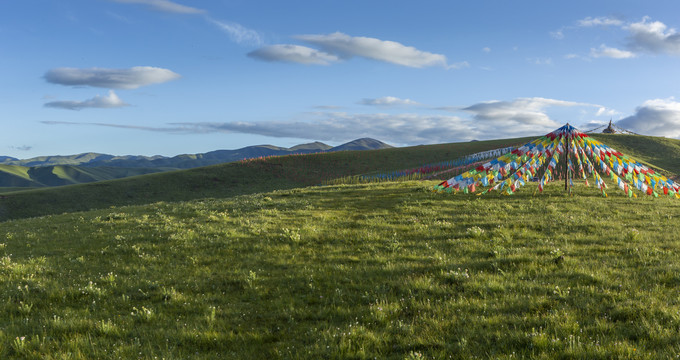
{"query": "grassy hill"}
pixel 231 179
pixel 390 271
pixel 59 175
pixel 187 161
pixel 662 152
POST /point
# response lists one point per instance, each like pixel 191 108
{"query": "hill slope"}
pixel 388 271
pixel 662 152
pixel 270 174
pixel 231 179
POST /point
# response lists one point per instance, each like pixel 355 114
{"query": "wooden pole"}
pixel 566 157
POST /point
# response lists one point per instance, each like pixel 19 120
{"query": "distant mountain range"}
pixel 88 167
pixel 187 161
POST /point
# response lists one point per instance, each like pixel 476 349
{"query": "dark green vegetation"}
pixel 388 270
pixel 48 171
pixel 231 179
pixel 58 175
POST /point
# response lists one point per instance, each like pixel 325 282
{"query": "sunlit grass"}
pixel 388 271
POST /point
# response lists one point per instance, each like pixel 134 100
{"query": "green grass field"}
pixel 367 271
pixel 230 179
pixel 183 265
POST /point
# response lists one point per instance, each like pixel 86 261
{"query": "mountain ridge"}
pixel 187 161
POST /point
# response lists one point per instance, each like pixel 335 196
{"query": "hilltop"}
pixel 235 178
pixel 285 172
pixel 46 171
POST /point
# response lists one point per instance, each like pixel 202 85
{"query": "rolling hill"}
pixel 49 171
pixel 187 161
pixel 269 174
pixel 235 178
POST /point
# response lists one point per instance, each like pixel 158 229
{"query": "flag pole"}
pixel 566 157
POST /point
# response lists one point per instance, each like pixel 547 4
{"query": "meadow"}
pixel 389 270
pixel 246 260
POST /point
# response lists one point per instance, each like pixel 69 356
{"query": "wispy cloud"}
pixel 489 120
pixel 238 33
pixel 644 36
pixel 131 78
pixel 102 102
pixel 340 126
pixel 388 101
pixel 164 6
pixel 339 46
pixel 540 61
pixel 170 129
pixel 346 47
pixel 21 148
pixel 605 51
pixel 658 117
pixel 293 53
pixel 599 21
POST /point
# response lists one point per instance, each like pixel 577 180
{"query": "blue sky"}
pixel 169 77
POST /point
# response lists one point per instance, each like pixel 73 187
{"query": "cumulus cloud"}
pixel 238 33
pixel 654 37
pixel 658 117
pixel 599 21
pixel 603 111
pixel 103 102
pixel 523 115
pixel 164 6
pixel 131 78
pixel 605 51
pixel 293 53
pixel 346 47
pixel 388 101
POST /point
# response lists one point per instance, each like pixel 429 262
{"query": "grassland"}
pixel 183 265
pixel 386 270
pixel 231 179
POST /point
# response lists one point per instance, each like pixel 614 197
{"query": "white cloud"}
pixel 653 37
pixel 164 6
pixel 558 34
pixel 540 61
pixel 293 53
pixel 593 124
pixel 658 117
pixel 388 101
pixel 486 49
pixel 346 47
pixel 397 129
pixel 599 21
pixel 490 120
pixel 103 102
pixel 523 115
pixel 131 78
pixel 604 51
pixel 238 33
pixel 603 111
